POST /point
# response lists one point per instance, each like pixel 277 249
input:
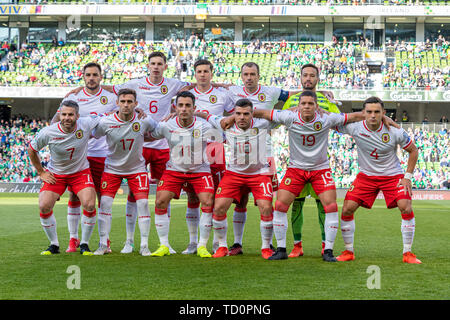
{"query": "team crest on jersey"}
pixel 261 97
pixel 164 89
pixel 219 190
pixel 136 127
pixel 254 131
pixel 103 100
pixel 385 137
pixel 318 126
pixel 104 184
pixel 287 181
pixel 213 99
pixel 79 134
pixel 196 133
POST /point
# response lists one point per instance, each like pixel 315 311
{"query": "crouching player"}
pixel 68 167
pixel 247 171
pixel 380 170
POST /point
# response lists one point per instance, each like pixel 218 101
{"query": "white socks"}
pixel 162 226
pixel 205 228
pixel 239 219
pixel 48 223
pixel 105 219
pixel 348 232
pixel 220 230
pixel 408 228
pixel 87 225
pixel 280 225
pixel 131 218
pixel 192 222
pixel 73 218
pixel 266 228
pixel 331 227
pixel 143 220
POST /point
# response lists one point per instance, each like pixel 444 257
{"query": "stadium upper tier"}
pixel 242 2
pixel 342 66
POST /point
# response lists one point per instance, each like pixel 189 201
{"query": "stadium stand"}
pixel 341 64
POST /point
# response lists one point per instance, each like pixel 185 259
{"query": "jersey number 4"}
pixel 374 154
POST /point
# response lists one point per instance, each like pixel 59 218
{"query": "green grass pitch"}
pixel 24 274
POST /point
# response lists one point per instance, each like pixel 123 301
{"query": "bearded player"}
pixel 309 79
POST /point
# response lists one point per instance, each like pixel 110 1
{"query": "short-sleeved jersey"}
pixel 154 99
pixel 377 150
pixel 68 151
pixel 214 101
pixel 125 140
pixel 308 141
pixel 95 104
pixel 187 144
pixel 247 148
pixel 263 98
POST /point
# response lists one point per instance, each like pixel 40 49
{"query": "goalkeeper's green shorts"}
pixel 308 190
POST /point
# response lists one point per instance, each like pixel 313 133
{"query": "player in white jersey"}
pixel 266 98
pixel 68 166
pixel 308 162
pixel 154 95
pixel 247 171
pixel 187 136
pixel 92 100
pixel 125 137
pixel 380 170
pixel 210 100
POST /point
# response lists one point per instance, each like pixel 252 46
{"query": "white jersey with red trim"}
pixel 247 148
pixel 214 101
pixel 308 141
pixel 95 104
pixel 125 140
pixel 187 144
pixel 377 150
pixel 154 99
pixel 263 98
pixel 68 151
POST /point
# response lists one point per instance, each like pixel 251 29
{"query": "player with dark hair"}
pixel 92 100
pixel 68 167
pixel 125 137
pixel 380 171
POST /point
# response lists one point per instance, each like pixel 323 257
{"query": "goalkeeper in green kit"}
pixel 309 80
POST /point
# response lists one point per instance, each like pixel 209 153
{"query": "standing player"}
pixel 124 136
pixel 265 98
pixel 154 95
pixel 309 79
pixel 308 143
pixel 380 170
pixel 187 137
pixel 92 100
pixel 68 166
pixel 247 171
pixel 210 100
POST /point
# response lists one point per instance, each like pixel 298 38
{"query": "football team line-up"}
pixel 102 134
